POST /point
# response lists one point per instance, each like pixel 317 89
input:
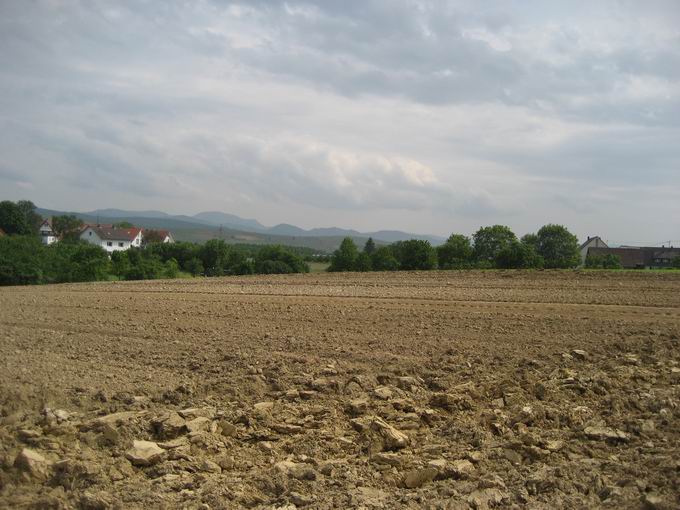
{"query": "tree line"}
pixel 25 260
pixel 493 247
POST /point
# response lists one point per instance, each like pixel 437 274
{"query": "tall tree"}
pixel 415 254
pixel 13 219
pixel 369 247
pixel 489 241
pixel 67 226
pixel 558 247
pixel 33 219
pixel 345 257
pixel 456 252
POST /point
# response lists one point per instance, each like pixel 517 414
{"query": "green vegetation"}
pixel 67 227
pixel 24 260
pixel 19 218
pixel 494 247
pixel 609 261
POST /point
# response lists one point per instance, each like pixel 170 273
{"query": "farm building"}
pixel 592 242
pixel 647 257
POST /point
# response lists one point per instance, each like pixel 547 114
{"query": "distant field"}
pixel 318 267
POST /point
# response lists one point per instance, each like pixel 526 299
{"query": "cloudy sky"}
pixel 425 116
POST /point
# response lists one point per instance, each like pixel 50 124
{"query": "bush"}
pixel 345 257
pixel 75 262
pixel 604 261
pixel 20 260
pixel 279 259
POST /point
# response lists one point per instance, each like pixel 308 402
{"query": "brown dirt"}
pixel 413 390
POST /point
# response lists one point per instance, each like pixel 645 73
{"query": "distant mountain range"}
pixel 213 224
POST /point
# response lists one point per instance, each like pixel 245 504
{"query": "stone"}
pixel 579 354
pixel 264 407
pixel 651 501
pixel 145 453
pixel 605 434
pixel 390 459
pixel 451 402
pixel 209 466
pixel 419 477
pixel 486 498
pixel 461 468
pixel 169 425
pixel 228 429
pixel 295 470
pixel 383 393
pixel 286 428
pixel 32 463
pixel 200 424
pixel 357 407
pixel 300 500
pixel 391 438
pixel 407 383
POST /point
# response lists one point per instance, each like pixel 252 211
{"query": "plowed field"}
pixel 413 390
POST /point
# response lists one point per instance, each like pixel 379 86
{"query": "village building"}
pixel 592 242
pixel 47 234
pixel 640 257
pixel 112 238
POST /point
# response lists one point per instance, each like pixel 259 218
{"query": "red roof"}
pixel 115 234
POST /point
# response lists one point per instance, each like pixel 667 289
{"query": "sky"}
pixel 424 116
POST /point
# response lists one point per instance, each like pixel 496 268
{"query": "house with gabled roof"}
pixel 591 242
pixel 47 233
pixel 112 238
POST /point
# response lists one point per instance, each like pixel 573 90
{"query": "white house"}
pixel 591 242
pixel 47 235
pixel 112 238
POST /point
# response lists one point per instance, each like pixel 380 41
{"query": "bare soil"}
pixel 412 390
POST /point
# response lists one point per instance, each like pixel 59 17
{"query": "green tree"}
pixel 558 247
pixel 120 263
pixel 531 240
pixel 76 262
pixel 383 259
pixel 33 219
pixel 194 266
pixel 123 224
pixel 345 257
pixel 171 268
pixel 414 254
pixel 363 262
pixel 13 219
pixel 21 260
pixel 455 253
pixel 275 259
pixel 369 247
pixel 676 262
pixel 489 241
pixel 518 255
pixel 67 227
pixel 214 255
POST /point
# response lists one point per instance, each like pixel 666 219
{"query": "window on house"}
pixel 109 243
pixel 90 233
pixel 120 244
